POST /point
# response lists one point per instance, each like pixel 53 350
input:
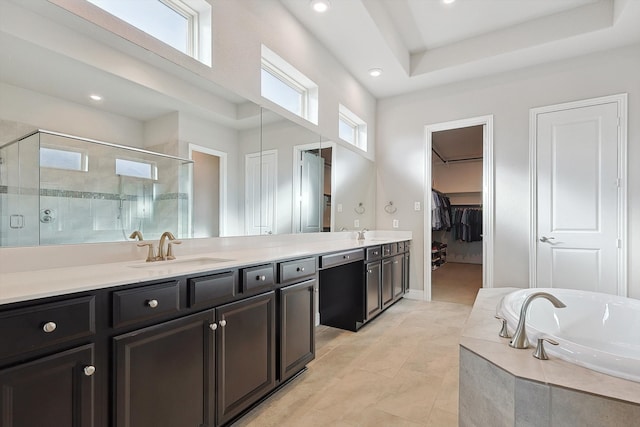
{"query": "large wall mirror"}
pixel 253 172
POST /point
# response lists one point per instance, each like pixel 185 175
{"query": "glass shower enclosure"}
pixel 57 189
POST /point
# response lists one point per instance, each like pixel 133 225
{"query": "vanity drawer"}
pixel 401 247
pixel 341 258
pixel 213 289
pixel 292 270
pixel 389 249
pixel 255 279
pixel 27 329
pixel 374 253
pixel 146 302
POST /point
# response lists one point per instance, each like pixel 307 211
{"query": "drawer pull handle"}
pixel 213 326
pixel 49 327
pixel 301 269
pixel 261 278
pixel 89 370
pixel 152 303
pixel 223 323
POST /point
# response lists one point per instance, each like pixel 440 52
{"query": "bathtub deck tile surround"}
pixel 480 338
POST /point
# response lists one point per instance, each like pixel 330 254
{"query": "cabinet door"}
pixel 164 374
pixel 405 275
pixel 297 327
pixel 374 288
pixel 398 267
pixel 50 392
pixel 246 354
pixel 387 282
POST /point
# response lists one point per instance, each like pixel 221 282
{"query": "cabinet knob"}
pixel 89 370
pixel 346 257
pixel 370 271
pixel 223 323
pixel 213 326
pixel 395 262
pixel 301 269
pixel 152 303
pixel 261 278
pixel 49 327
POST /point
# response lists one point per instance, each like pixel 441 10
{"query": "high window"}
pixel 352 128
pixel 284 85
pixel 182 24
pixel 63 159
pixel 136 169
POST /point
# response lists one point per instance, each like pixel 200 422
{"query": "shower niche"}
pixel 63 189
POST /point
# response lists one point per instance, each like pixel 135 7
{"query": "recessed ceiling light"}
pixel 375 72
pixel 320 6
pixel 448 1
pixel 95 97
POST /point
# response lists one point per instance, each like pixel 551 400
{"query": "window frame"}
pixel 358 125
pixel 84 159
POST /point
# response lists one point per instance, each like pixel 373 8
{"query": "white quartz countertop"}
pixel 480 335
pixel 39 283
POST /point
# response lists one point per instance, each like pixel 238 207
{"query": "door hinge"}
pixel 619 243
pixel 619 182
pixel 618 121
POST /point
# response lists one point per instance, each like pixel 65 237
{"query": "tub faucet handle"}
pixel 540 353
pixel 504 332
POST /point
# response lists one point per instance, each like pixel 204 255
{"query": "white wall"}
pixel 49 113
pixel 401 141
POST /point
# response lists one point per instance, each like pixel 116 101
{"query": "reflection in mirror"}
pixel 58 189
pixel 239 186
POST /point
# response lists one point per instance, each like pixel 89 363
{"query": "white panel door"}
pixel 577 198
pixel 260 191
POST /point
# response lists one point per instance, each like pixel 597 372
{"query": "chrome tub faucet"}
pixel 520 339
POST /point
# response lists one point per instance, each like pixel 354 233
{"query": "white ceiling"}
pixel 425 43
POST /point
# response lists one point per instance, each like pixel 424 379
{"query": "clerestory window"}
pixel 182 24
pixel 284 85
pixel 352 128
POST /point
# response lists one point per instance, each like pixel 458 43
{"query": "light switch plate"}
pixel 416 206
pixel 356 223
pixel 339 207
pixel 396 223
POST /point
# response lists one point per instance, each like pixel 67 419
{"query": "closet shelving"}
pixel 438 255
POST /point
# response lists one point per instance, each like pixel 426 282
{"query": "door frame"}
pixel 487 196
pixel 621 100
pixel 222 214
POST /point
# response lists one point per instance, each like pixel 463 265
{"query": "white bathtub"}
pixel 597 331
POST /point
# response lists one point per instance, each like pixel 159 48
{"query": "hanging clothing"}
pixel 467 224
pixel 440 211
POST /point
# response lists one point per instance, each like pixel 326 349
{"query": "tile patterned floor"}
pixel 400 370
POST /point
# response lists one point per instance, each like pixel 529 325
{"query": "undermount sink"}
pixel 191 262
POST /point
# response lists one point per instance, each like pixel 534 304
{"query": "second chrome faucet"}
pixel 520 339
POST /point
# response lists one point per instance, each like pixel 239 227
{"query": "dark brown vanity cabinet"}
pixel 296 304
pixel 47 363
pixel 246 354
pixel 52 391
pixel 373 288
pixel 199 370
pixel 164 374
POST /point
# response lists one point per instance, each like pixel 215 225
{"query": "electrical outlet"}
pixel 416 206
pixel 396 223
pixel 339 207
pixel 356 223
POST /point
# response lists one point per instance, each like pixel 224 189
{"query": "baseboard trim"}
pixel 416 294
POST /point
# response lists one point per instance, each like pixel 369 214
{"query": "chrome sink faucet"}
pixel 361 234
pixel 520 339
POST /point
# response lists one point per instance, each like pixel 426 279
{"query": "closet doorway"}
pixel 208 204
pixel 458 215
